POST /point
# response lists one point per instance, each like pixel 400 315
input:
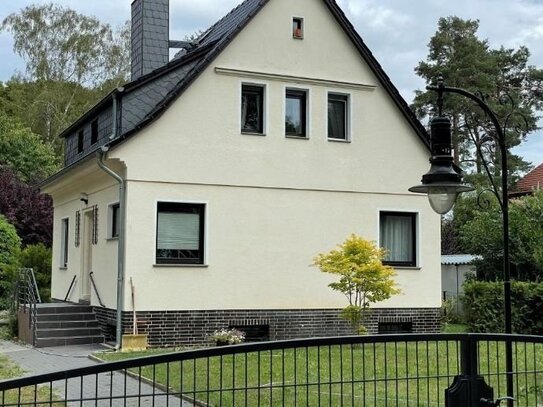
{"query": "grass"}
pixel 372 374
pixel 454 328
pixel 30 394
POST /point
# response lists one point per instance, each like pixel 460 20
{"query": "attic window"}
pixel 298 28
pixel 80 138
pixel 94 131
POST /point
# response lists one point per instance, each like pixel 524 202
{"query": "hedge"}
pixel 484 312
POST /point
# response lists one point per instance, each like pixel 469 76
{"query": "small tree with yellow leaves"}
pixel 363 278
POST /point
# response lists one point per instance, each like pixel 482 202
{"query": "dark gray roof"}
pixel 146 98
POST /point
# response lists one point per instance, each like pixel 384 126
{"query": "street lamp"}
pixel 443 183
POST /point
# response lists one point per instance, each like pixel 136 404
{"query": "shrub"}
pixel 362 277
pixel 38 258
pixel 449 311
pixel 10 245
pixel 483 305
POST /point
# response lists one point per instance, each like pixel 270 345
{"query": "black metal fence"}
pixel 386 370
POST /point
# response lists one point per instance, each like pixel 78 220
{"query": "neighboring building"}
pixel 531 182
pixel 271 139
pixel 454 269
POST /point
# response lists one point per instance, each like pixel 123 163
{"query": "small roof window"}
pixel 298 28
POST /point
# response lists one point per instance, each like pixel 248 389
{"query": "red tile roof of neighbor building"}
pixel 532 181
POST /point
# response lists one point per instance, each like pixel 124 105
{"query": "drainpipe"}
pixel 122 215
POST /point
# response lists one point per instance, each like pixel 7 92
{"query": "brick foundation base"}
pixel 176 328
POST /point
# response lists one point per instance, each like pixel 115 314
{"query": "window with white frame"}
pixel 296 113
pixel 64 232
pixel 338 117
pixel 180 233
pixel 114 220
pixel 398 235
pixel 252 109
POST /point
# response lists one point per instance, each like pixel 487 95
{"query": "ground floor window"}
pixel 64 231
pixel 398 237
pixel 180 233
pixel 114 211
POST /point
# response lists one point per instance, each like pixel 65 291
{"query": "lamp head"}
pixel 442 182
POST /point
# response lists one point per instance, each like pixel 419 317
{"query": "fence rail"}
pixel 385 370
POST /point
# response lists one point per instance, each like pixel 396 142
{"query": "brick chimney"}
pixel 150 36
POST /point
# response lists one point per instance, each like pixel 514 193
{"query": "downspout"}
pixel 122 215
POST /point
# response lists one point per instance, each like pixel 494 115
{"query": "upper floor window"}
pixel 298 28
pixel 252 109
pixel 338 117
pixel 80 140
pixel 180 233
pixel 296 113
pixel 398 235
pixel 94 131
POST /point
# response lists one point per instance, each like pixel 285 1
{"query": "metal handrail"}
pixel 28 296
pixel 70 288
pixel 96 289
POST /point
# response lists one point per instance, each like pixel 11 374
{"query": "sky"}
pixel 396 31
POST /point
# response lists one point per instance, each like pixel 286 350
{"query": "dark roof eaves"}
pixel 131 86
pixel 378 71
pixel 64 170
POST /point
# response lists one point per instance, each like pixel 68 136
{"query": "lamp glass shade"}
pixel 442 199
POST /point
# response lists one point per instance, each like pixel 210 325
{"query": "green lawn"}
pixel 8 370
pixel 373 374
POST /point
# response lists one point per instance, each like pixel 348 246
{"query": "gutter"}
pixel 122 215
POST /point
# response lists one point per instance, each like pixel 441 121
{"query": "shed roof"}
pixel 458 259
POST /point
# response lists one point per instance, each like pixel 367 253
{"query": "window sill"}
pixel 250 133
pixel 62 268
pixel 406 267
pixel 109 239
pixel 180 265
pixel 338 140
pixel 296 137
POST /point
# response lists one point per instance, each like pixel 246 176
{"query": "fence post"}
pixel 468 388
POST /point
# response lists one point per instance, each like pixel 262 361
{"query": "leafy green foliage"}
pixel 10 246
pixel 72 61
pixel 482 235
pixel 25 152
pixel 483 305
pixel 38 258
pixel 363 278
pixel 465 61
pixel 61 45
pixel 10 243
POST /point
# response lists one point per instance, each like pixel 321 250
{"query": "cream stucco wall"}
pixel 66 192
pixel 272 202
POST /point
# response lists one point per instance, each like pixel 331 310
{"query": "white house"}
pixel 270 139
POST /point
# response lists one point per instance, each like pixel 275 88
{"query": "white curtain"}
pixel 397 237
pixel 336 119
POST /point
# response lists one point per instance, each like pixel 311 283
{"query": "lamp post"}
pixel 443 183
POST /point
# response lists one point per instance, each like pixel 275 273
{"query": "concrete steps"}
pixel 61 324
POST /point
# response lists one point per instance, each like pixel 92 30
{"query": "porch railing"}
pixel 388 370
pixel 28 296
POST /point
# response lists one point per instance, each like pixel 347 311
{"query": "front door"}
pixel 86 257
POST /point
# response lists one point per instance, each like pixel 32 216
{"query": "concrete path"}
pixel 115 389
